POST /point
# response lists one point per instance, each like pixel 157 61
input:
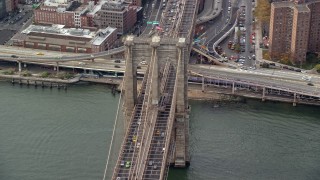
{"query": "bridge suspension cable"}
pixel 114 130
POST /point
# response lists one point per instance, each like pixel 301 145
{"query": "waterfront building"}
pixel 58 38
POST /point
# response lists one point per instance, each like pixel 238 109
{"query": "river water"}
pixel 51 134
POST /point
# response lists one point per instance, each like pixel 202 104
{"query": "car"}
pixel 118 178
pixel 150 163
pixel 116 66
pixel 128 164
pixel 134 138
pixel 39 53
pixel 117 61
pixel 138 67
pixel 307 78
pixel 298 70
pixel 157 132
pixel 143 62
pixel 310 84
pixel 122 163
pixel 162 134
pixel 14 56
pixel 82 63
pixel 138 145
pixel 155 166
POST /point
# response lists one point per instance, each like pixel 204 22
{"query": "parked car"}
pixel 122 163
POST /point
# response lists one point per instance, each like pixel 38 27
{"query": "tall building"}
pixel 294 29
pixel 68 13
pixel 117 14
pixel 87 14
pixel 11 5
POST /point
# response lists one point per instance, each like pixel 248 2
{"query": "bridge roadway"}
pixel 150 128
pixel 109 66
pixel 273 82
pixel 54 58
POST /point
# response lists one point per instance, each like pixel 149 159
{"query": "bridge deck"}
pixel 155 160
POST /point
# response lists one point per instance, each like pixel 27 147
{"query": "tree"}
pixel 262 11
pixel 317 67
pixel 237 47
pixel 285 58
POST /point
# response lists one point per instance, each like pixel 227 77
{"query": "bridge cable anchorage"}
pixel 113 132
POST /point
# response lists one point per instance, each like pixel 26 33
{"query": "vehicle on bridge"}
pixel 39 53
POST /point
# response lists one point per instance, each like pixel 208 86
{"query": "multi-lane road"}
pixel 289 80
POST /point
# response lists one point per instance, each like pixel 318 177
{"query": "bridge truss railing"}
pixel 158 146
pixel 148 127
pixel 171 119
pixel 128 147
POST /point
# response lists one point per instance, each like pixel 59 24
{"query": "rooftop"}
pixel 102 35
pixel 59 30
pixel 55 3
pixel 303 8
pixel 106 3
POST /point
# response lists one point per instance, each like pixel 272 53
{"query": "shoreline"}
pixel 194 90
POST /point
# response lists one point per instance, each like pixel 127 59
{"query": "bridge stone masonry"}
pixel 157 114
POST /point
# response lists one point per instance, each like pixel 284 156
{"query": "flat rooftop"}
pixel 303 8
pixel 283 4
pixel 59 30
pixel 102 35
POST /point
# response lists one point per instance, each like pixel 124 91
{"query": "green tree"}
pixel 237 47
pixel 285 58
pixel 45 74
pixel 262 11
pixel 317 67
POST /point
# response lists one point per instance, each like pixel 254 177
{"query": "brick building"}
pixel 117 14
pixel 87 14
pixel 136 2
pixel 70 14
pixel 58 38
pixel 294 29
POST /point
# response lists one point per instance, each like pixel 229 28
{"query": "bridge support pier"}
pixel 202 83
pixel 130 85
pixel 57 67
pixel 20 69
pixel 155 70
pixel 263 94
pixel 181 131
pixel 233 88
pixel 295 99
